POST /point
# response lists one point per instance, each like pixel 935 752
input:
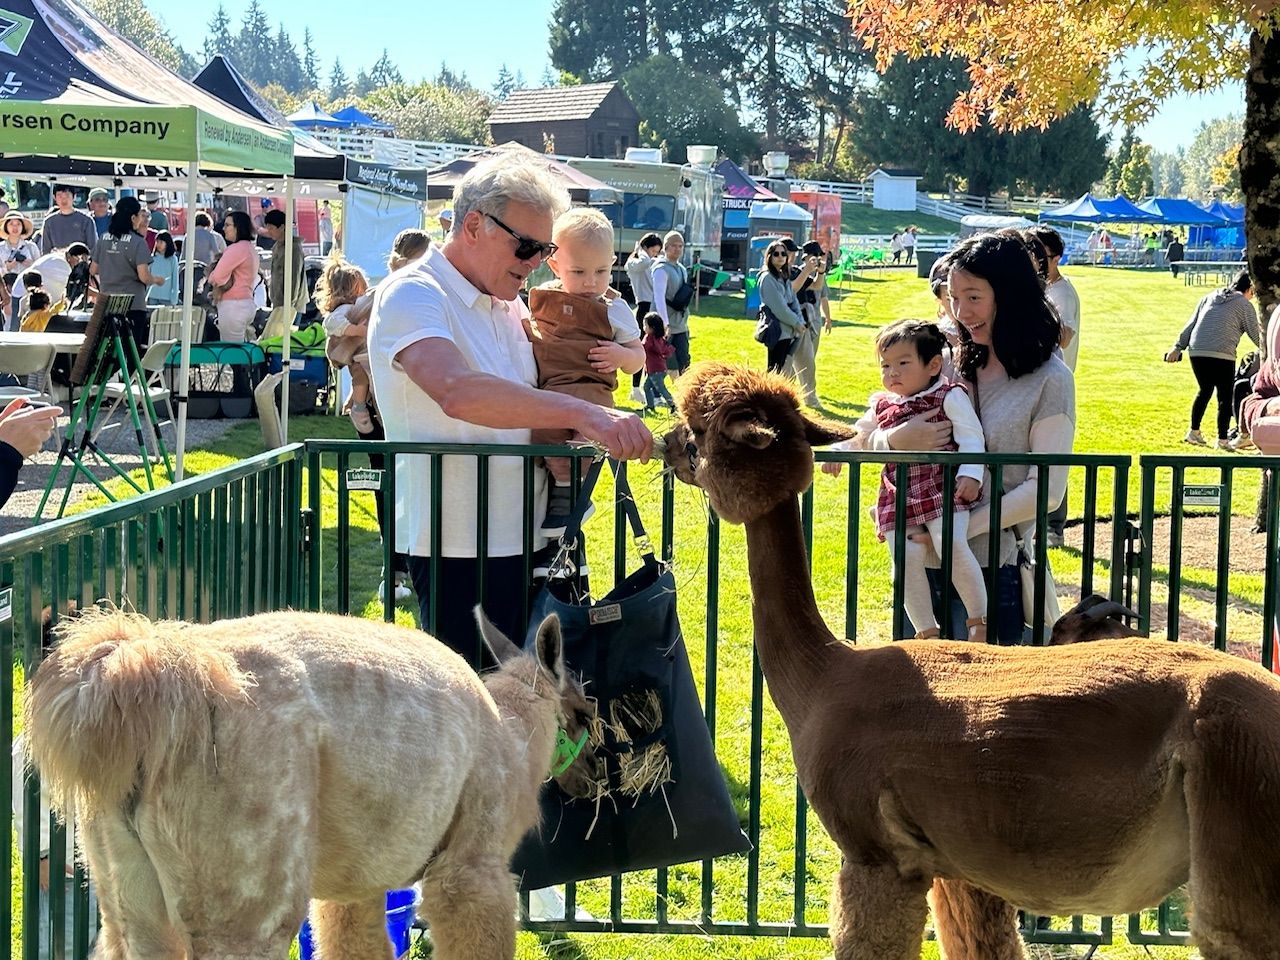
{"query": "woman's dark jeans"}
pixel 1009 627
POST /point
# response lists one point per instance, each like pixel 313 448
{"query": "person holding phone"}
pixel 24 427
pixel 17 252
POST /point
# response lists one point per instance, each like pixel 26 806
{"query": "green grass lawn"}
pixel 864 218
pixel 1128 402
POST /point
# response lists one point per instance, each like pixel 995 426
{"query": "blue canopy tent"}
pixel 1091 209
pixel 1086 209
pixel 1177 210
pixel 1122 210
pixel 357 118
pixel 311 117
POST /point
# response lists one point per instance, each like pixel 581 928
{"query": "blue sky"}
pixel 478 37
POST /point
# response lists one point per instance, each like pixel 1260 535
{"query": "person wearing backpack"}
pixel 672 293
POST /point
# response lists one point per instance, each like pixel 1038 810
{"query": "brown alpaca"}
pixel 1089 778
pixel 223 775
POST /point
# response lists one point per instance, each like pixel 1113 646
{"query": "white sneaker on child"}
pixel 359 414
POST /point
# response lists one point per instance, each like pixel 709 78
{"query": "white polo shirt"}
pixel 430 298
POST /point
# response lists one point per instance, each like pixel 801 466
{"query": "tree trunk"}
pixel 1260 167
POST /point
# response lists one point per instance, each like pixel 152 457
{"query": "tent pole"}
pixel 288 305
pixel 189 275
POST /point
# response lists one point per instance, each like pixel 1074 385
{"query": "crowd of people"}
pixel 445 349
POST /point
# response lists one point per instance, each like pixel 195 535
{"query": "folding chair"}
pixel 33 361
pixel 151 367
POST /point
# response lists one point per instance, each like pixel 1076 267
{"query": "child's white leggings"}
pixel 966 574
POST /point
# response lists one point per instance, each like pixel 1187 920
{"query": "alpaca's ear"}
pixel 497 642
pixel 747 427
pixel 822 433
pixel 550 648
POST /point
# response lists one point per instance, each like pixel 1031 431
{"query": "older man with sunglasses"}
pixel 451 363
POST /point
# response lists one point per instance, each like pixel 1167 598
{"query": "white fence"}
pixel 394 151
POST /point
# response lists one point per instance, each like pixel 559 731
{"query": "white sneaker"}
pixel 1224 444
pixel 1243 442
pixel 1196 437
pixel 548 904
pixel 401 592
pixel 637 395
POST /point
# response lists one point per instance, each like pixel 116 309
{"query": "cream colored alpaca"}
pixel 226 774
pixel 1090 778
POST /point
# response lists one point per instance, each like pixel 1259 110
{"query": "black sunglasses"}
pixel 526 247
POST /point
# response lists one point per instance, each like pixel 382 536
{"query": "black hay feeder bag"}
pixel 667 799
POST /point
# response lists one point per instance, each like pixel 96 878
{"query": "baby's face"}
pixel 903 372
pixel 584 268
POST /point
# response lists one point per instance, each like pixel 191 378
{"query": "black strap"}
pixel 629 509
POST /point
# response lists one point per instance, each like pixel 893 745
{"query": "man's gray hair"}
pixel 492 184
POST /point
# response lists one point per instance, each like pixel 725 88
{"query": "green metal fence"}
pixel 222 545
pixel 297 528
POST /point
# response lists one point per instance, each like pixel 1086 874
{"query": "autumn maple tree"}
pixel 1031 61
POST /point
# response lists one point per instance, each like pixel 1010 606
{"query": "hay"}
pixel 634 716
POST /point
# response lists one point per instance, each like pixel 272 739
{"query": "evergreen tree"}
pixel 1212 139
pixel 1111 182
pixel 310 62
pixel 549 77
pixel 363 85
pixel 286 67
pixel 680 108
pixel 454 81
pixel 899 121
pixel 1166 173
pixel 339 85
pixel 384 73
pixel 218 39
pixel 505 83
pixel 255 47
pixel 1135 176
pixel 519 82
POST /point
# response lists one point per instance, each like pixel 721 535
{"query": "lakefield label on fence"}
pixel 1202 495
pixel 364 479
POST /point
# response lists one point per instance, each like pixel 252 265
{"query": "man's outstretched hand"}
pixel 624 434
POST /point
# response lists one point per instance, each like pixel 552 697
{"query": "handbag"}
pixel 768 328
pixel 1027 576
pixel 630 653
pixel 682 297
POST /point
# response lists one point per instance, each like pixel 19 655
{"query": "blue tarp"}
pixel 358 118
pixel 1176 210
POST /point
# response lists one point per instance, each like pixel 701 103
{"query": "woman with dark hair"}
pixel 121 262
pixel 164 267
pixel 1211 337
pixel 233 279
pixel 639 268
pixel 777 295
pixel 1025 397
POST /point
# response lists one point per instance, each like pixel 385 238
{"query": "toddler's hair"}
pixel 653 323
pixel 32 278
pixel 409 245
pixel 924 334
pixel 341 282
pixel 582 225
pixel 939 274
pixel 38 300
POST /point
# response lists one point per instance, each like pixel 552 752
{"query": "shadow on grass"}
pixel 559 946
